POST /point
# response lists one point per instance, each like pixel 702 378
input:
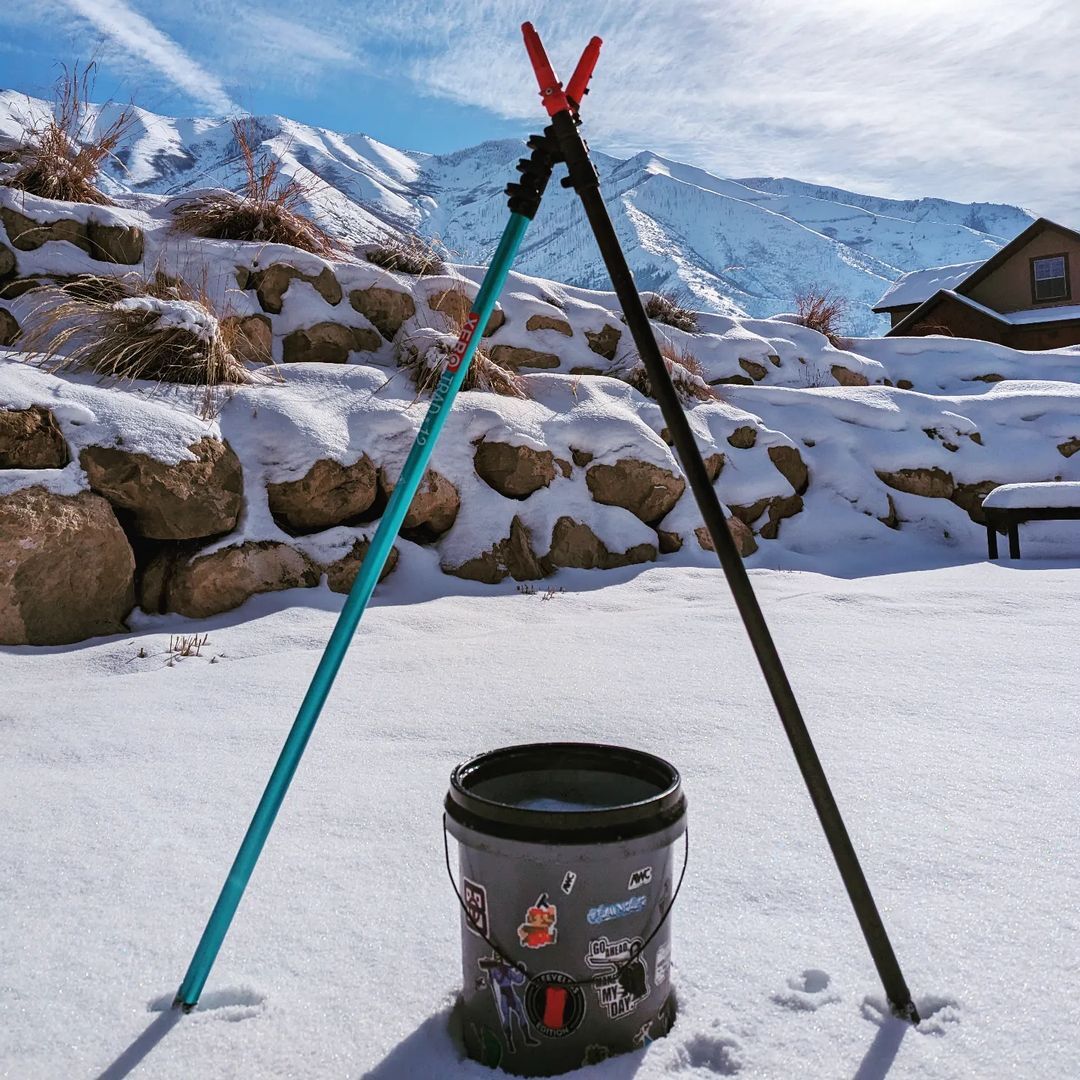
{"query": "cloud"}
pixel 967 100
pixel 138 37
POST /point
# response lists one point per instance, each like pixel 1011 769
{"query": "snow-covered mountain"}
pixel 736 247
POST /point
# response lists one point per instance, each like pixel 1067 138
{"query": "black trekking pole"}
pixel 584 179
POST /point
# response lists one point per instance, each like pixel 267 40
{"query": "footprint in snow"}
pixel 936 1012
pixel 807 992
pixel 713 1053
pixel 231 1004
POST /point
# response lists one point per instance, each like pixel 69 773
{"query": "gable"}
pixel 1007 286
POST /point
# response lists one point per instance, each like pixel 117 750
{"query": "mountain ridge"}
pixel 735 246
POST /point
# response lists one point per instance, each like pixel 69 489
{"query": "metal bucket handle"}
pixel 635 951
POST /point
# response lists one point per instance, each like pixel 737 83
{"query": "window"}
pixel 1050 278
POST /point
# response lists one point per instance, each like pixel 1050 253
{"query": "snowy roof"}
pixel 919 285
pixel 1024 317
pixel 1031 496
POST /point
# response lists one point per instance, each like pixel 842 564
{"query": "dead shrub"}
pixel 668 308
pixel 823 311
pixel 265 209
pixel 160 329
pixel 409 254
pixel 61 157
pixel 687 375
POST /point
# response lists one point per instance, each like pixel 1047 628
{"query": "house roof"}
pixel 918 286
pixel 1026 317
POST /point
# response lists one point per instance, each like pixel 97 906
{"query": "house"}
pixel 1023 296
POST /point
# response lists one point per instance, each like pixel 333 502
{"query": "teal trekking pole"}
pixel 524 202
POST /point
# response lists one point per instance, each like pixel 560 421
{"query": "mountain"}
pixel 746 246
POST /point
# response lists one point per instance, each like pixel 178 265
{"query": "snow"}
pixel 736 247
pixel 1029 496
pixel 125 789
pixel 919 285
pixel 174 315
pixel 1041 315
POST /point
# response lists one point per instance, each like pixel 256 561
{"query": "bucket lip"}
pixel 652 814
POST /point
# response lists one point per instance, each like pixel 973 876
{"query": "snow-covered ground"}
pixel 944 707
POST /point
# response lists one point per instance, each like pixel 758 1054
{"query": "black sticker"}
pixel 475 897
pixel 555 1004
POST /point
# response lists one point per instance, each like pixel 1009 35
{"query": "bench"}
pixel 1009 506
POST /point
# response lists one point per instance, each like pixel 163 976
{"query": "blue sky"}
pixel 969 100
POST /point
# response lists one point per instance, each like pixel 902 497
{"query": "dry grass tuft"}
pixel 61 157
pixel 406 255
pixel 687 375
pixel 160 329
pixel 668 308
pixel 266 209
pixel 823 312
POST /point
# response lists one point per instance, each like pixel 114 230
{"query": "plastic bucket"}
pixel 566 863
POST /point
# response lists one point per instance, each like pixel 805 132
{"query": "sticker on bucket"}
pixel 539 928
pixel 568 882
pixel 475 897
pixel 603 913
pixel 555 1004
pixel 663 963
pixel 628 984
pixel 639 878
pixel 504 980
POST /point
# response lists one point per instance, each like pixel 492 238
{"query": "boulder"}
pixel 206 585
pixel 272 283
pixel 749 513
pixel 742 438
pixel 846 377
pixel 585 369
pixel 386 309
pixel 183 501
pixel 992 377
pixel 121 244
pixel 647 491
pixel 756 371
pixel 341 573
pixel 581 457
pixel 328 494
pixel 574 544
pixel 1069 447
pixel 714 465
pixel 513 555
pixel 774 359
pixel 456 305
pixel 106 243
pixel 9 327
pixel 514 471
pixel 779 508
pixel 31 439
pixel 745 543
pixel 66 569
pixel 434 507
pixel 732 380
pixel 252 337
pixel 549 322
pixel 670 542
pixel 904 384
pixel 931 483
pixel 790 465
pixel 604 341
pixel 892 519
pixel 327 343
pixel 7 262
pixel 969 497
pixel 508 356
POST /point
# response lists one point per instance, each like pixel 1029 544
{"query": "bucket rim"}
pixel 624 820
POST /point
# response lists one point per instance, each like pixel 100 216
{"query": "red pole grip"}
pixel 551 91
pixel 578 86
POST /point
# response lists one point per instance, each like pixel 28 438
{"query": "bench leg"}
pixel 1014 540
pixel 991 542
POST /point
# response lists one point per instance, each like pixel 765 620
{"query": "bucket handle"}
pixel 635 951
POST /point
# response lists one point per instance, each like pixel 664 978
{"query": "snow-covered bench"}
pixel 1010 505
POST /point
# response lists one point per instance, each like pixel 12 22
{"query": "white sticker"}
pixel 640 877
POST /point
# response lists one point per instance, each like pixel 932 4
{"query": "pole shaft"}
pixel 584 178
pixel 356 603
